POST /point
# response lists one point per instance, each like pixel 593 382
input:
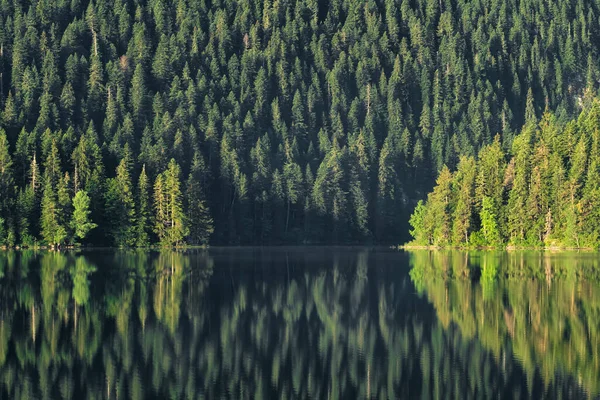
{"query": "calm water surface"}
pixel 321 323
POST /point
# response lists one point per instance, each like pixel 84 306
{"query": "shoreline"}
pixel 91 248
pixel 504 248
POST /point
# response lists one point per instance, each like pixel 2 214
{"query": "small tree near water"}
pixel 81 223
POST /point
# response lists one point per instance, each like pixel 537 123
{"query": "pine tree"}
pixel 6 176
pixel 52 231
pixel 389 199
pixel 464 183
pixel 81 223
pixel 138 95
pixel 572 231
pixel 329 190
pixel 360 207
pixel 590 206
pixel 52 167
pixel 64 196
pixel 144 226
pixel 160 209
pixel 439 208
pixel 34 175
pixel 198 213
pixel 489 224
pixel 120 204
pixel 517 203
pixel 420 232
pixel 95 91
pixel 171 224
pixel 292 175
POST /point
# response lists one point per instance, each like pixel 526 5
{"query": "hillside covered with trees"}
pixel 545 191
pixel 125 122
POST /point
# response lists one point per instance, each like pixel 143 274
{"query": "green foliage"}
pixel 439 206
pixel 529 201
pixel 464 186
pixel 81 223
pixel 198 214
pixel 6 186
pixel 171 224
pixel 53 232
pixel 489 222
pixel 5 163
pixel 417 221
pixel 144 224
pixel 120 205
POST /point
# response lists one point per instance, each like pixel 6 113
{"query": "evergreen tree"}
pixel 120 204
pixel 293 187
pixel 63 195
pixel 489 224
pixel 6 176
pixel 420 231
pixel 440 203
pixel 160 208
pixel 464 183
pixel 144 225
pixel 81 223
pixel 389 199
pixel 171 224
pixel 518 223
pixel 198 213
pixel 51 229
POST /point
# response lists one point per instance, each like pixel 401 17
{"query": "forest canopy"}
pixel 545 191
pixel 126 123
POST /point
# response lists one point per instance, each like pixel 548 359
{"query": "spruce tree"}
pixel 81 223
pixel 120 205
pixel 6 175
pixel 198 214
pixel 464 183
pixel 144 225
pixel 52 231
pixel 171 224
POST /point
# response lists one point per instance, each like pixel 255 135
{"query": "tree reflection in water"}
pixel 543 309
pixel 296 323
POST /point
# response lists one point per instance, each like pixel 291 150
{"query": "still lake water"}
pixel 323 323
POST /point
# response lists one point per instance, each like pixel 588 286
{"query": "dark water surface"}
pixel 324 323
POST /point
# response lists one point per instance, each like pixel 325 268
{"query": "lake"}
pixel 323 323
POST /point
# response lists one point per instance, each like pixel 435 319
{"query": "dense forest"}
pixel 545 191
pixel 127 123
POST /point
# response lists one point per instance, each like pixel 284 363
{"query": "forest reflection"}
pixel 291 323
pixel 541 308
